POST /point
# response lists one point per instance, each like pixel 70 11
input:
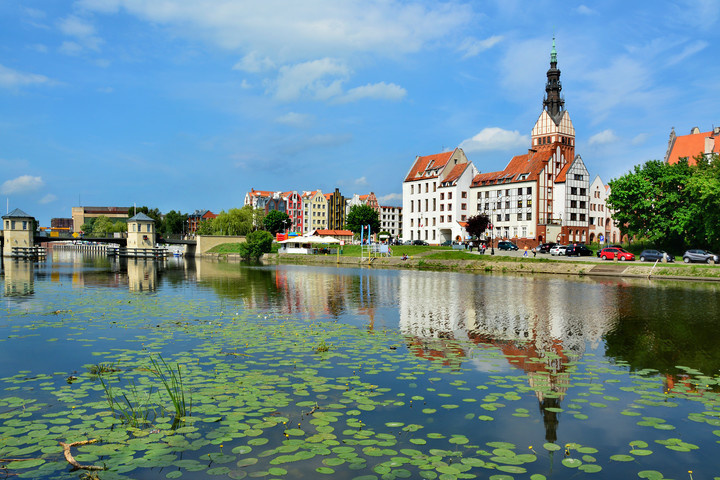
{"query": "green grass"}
pixel 226 248
pixel 171 379
pixel 397 250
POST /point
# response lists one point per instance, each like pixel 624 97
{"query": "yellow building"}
pixel 315 211
pixel 141 232
pixel 18 232
pixel 81 215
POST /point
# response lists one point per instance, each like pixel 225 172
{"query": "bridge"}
pixel 141 235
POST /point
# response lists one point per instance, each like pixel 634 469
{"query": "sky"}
pixel 188 104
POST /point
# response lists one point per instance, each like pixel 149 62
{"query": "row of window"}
pixel 577 204
pixel 10 225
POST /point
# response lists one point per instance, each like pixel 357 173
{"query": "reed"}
pixel 171 379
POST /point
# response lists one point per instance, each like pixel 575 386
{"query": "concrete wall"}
pixel 206 242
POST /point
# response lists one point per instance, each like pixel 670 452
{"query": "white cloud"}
pixel 377 91
pixel 21 184
pixel 10 78
pixel 294 119
pixel 585 10
pixel 494 138
pixel 473 46
pixel 82 31
pixel 390 199
pixel 286 31
pixel 319 79
pixel 49 198
pixel 639 139
pixel 603 138
pixel 253 64
pixel 245 85
pixel 689 50
pixel 361 182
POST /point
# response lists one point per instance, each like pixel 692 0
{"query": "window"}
pixel 412 189
pixel 582 192
pixel 463 218
pixel 427 187
pixel 412 207
pixel 463 206
pixel 24 224
pixel 463 194
pixel 434 221
pixel 442 196
pixel 507 204
pixel 499 217
pixel 578 177
pixel 528 216
pixel 412 222
pixel 514 231
pixel 442 218
pixel 449 218
pixel 582 205
pixel 449 206
pixel 434 204
pixel 12 222
pixel 507 217
pixel 582 217
pixel 442 207
pixel 487 207
pixel 519 204
pixel 479 194
pixel 507 192
pixel 528 190
pixel 524 232
pixel 487 194
pixel 433 234
pixel 426 204
pixel 434 187
pixel 573 190
pixel 573 203
pixel 573 217
pixel 519 216
pixel 449 195
pixel 528 202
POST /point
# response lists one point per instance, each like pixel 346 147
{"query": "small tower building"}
pixel 18 231
pixel 141 232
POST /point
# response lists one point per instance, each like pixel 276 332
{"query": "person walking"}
pixel 525 254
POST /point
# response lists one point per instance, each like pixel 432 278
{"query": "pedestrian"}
pixel 525 254
pixel 534 252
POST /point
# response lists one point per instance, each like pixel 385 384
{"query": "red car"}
pixel 609 253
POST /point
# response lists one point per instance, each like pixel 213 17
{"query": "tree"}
pixel 236 221
pixel 256 243
pixel 673 206
pixel 361 215
pixel 153 213
pixel 477 224
pixel 276 221
pixel 174 222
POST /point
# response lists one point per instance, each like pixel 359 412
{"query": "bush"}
pixel 256 243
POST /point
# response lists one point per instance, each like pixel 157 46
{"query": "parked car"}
pixel 507 246
pixel 545 247
pixel 407 242
pixel 697 255
pixel 655 255
pixel 609 253
pixel 419 242
pixel 446 243
pixel 558 250
pixel 578 251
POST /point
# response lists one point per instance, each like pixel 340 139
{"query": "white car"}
pixel 558 250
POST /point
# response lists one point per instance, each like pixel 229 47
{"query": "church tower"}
pixel 554 126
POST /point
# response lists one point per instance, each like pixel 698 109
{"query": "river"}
pixel 302 372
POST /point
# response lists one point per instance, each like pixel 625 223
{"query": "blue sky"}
pixel 185 105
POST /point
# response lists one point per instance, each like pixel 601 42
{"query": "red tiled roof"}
pixel 428 166
pixel 364 197
pixel 331 233
pixel 563 173
pixel 261 193
pixel 309 194
pixel 531 164
pixel 328 195
pixel 689 146
pixel 455 173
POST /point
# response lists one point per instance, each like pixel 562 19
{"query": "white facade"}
pixel 600 216
pixel 511 208
pixel 391 220
pixel 435 197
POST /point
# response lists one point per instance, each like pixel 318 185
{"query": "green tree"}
pixel 276 221
pixel 174 222
pixel 673 206
pixel 361 215
pixel 477 224
pixel 236 221
pixel 153 213
pixel 256 243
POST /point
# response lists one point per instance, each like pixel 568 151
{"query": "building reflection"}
pixel 142 274
pixel 19 277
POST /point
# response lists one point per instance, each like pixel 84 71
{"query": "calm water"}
pixel 305 372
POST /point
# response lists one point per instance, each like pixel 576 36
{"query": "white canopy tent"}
pixel 305 245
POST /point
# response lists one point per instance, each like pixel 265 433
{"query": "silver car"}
pixel 702 256
pixel 558 250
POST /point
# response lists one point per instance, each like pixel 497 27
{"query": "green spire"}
pixel 553 53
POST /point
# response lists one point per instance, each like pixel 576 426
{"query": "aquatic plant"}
pixel 171 379
pixel 133 408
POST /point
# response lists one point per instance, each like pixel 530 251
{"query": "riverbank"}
pixel 484 263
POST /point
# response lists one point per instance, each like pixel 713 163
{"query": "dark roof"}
pixel 140 216
pixel 17 213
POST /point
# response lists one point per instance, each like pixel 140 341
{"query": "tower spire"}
pixel 553 102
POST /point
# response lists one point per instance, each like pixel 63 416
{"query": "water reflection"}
pixel 19 277
pixel 142 274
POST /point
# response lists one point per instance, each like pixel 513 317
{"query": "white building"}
pixel 601 221
pixel 435 197
pixel 391 220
